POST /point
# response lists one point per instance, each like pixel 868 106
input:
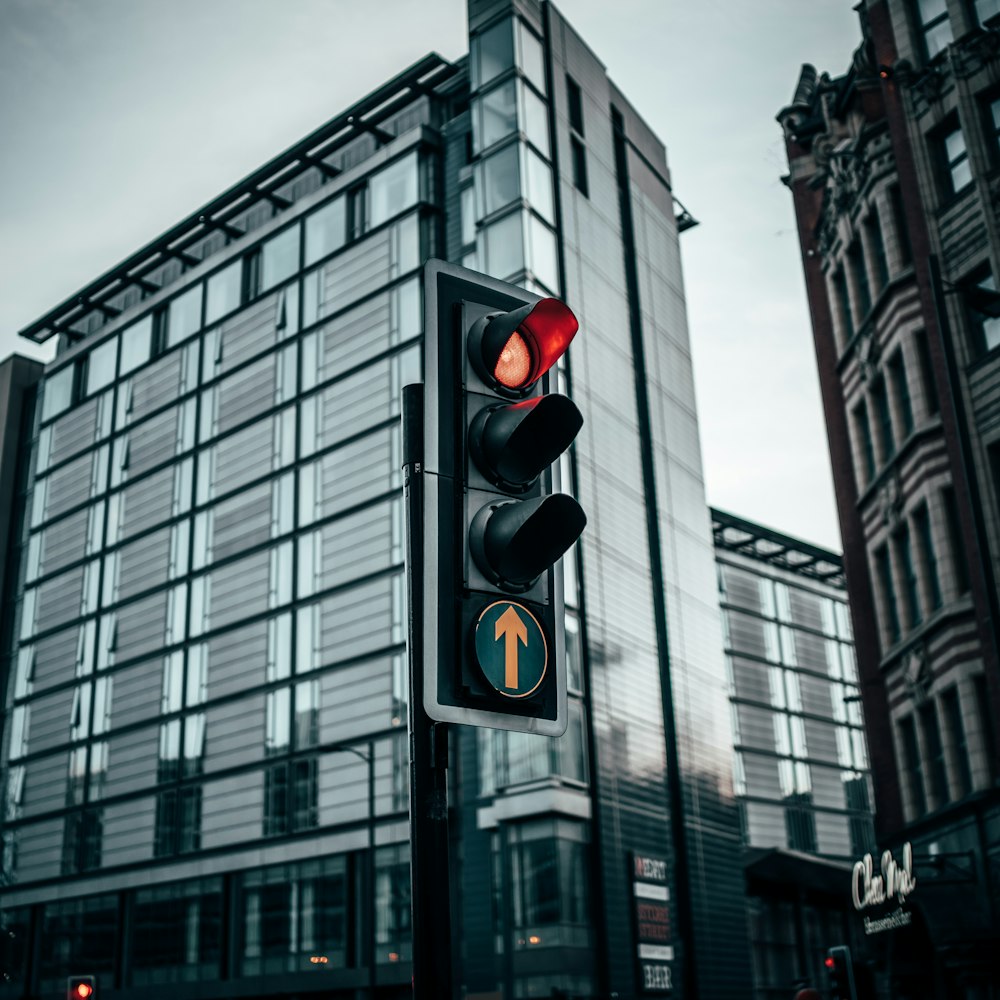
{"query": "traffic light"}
pixel 495 524
pixel 838 967
pixel 81 988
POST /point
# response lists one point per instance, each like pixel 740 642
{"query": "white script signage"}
pixel 893 882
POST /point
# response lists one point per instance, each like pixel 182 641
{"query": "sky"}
pixel 120 117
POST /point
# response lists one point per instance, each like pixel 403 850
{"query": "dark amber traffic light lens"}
pixel 513 367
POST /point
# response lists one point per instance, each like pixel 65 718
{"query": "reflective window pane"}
pixel 499 180
pixel 279 258
pixel 497 113
pixel 184 313
pixel 58 392
pixel 326 230
pixel 543 262
pixel 503 246
pixel 538 186
pixel 101 366
pixel 531 56
pixel 492 53
pixel 536 119
pixel 223 294
pixel 393 189
pixel 137 342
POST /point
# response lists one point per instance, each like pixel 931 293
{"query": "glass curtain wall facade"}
pixel 205 749
pixel 801 759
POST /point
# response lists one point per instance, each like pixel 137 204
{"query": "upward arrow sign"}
pixel 512 628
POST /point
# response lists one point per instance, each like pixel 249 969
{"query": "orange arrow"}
pixel 512 628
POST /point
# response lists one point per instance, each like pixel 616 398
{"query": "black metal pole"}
pixel 430 893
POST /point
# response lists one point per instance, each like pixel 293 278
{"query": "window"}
pixel 901 391
pixel 986 10
pixel 492 53
pixel 504 247
pixel 864 434
pixel 876 248
pixel 538 184
pixel 899 224
pixel 543 260
pixel 934 25
pixel 467 207
pixel 986 725
pixel 279 258
pixel 883 419
pixel 184 312
pixel 883 569
pixel 911 595
pixel 497 115
pixel 862 291
pixel 357 212
pixel 935 754
pixel 137 344
pixel 59 392
pixel 579 163
pixel 844 304
pixel 393 189
pixel 499 179
pixel 224 290
pixel 326 230
pixel 101 363
pixel 956 159
pixel 574 104
pixel 955 730
pixel 531 57
pixel 535 124
pixel 928 560
pixel 985 326
pixel 913 776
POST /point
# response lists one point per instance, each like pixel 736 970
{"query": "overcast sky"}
pixel 120 117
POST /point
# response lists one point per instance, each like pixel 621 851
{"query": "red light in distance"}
pixel 830 962
pixel 83 990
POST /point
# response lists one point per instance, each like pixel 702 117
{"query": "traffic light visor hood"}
pixel 514 350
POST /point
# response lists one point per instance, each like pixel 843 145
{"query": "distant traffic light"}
pixel 81 988
pixel 495 524
pixel 838 967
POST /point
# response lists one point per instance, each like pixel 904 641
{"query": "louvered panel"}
pixel 45 784
pixel 143 564
pixel 50 720
pixel 356 402
pixel 156 385
pixel 59 600
pixel 234 733
pixel 252 331
pixel 244 456
pixel 240 589
pixel 355 700
pixel 146 503
pixel 242 522
pixel 76 430
pixel 153 442
pixel 250 392
pixel 64 541
pixel 355 545
pixel 135 693
pixel 69 485
pixel 141 627
pixel 358 271
pixel 55 658
pixel 355 336
pixel 355 621
pixel 237 660
pixel 354 473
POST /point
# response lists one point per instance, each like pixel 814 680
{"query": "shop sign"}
pixel 892 883
pixel 653 933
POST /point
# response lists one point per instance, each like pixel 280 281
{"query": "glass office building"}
pixel 204 746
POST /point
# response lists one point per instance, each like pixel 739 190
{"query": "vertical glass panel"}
pixel 137 343
pixel 543 261
pixel 503 245
pixel 279 258
pixel 101 366
pixel 326 230
pixel 223 294
pixel 492 53
pixel 58 394
pixel 393 189
pixel 536 120
pixel 497 115
pixel 499 180
pixel 184 314
pixel 468 212
pixel 538 184
pixel 531 56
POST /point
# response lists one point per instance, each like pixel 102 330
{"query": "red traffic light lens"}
pixel 513 350
pixel 514 364
pixel 830 962
pixel 83 990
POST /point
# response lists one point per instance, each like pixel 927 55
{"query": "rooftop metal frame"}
pixel 366 115
pixel 734 534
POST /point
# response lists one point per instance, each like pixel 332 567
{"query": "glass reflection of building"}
pixel 800 756
pixel 207 578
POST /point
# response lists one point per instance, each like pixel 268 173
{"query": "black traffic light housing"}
pixel 495 524
pixel 81 988
pixel 840 973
